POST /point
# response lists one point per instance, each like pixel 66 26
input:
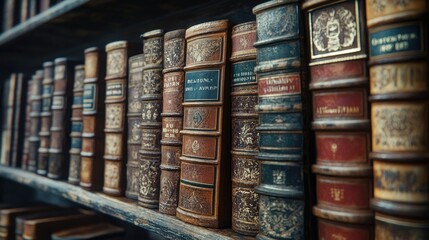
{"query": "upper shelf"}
pixel 71 26
pixel 121 208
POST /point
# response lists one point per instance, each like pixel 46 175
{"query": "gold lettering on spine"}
pixel 337 194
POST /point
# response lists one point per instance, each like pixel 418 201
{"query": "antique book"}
pixel 244 147
pixel 10 11
pixel 33 8
pixel 8 98
pixel 61 112
pixel 205 188
pixel 35 121
pixel 89 232
pixel 76 125
pixel 42 228
pixel 8 215
pixel 151 100
pixel 339 85
pixel 92 163
pixel 27 129
pixel 280 62
pixel 115 122
pixel 44 5
pixel 135 83
pixel 24 11
pixel 46 118
pixel 51 212
pixel 172 120
pixel 18 122
pixel 399 60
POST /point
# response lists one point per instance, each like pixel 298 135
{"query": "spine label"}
pixel 202 85
pixel 90 97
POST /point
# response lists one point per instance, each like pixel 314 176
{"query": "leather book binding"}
pixel 339 86
pixel 399 96
pixel 92 163
pixel 92 231
pixel 151 100
pixel 282 132
pixel 76 125
pixel 61 112
pixel 17 142
pixel 8 102
pixel 115 122
pixel 172 120
pixel 135 84
pixel 46 118
pixel 244 147
pixel 205 188
pixel 26 147
pixel 35 121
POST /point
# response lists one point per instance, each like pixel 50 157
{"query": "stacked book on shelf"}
pixel 216 124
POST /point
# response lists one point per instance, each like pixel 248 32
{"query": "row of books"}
pixel 43 221
pixel 14 12
pixel 217 126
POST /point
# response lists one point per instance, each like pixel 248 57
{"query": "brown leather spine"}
pixel 46 117
pixel 399 60
pixel 135 84
pixel 93 231
pixel 339 84
pixel 244 97
pixel 92 163
pixel 172 120
pixel 76 125
pixel 35 121
pixel 151 99
pixel 9 92
pixel 205 189
pixel 61 112
pixel 25 151
pixel 18 122
pixel 115 125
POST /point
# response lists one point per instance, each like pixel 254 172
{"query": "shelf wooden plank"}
pixel 121 208
pixel 40 19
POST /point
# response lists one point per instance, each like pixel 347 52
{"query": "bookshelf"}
pixel 119 207
pixel 69 27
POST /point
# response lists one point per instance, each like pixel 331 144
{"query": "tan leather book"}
pixel 42 228
pixel 35 121
pixel 115 127
pixel 135 84
pixel 244 143
pixel 76 125
pixel 205 188
pixel 94 231
pixel 92 164
pixel 151 99
pixel 61 112
pixel 172 120
pixel 46 118
pixel 399 97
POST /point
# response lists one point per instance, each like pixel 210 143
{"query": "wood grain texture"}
pixel 121 208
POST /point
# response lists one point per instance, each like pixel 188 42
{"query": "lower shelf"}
pixel 121 208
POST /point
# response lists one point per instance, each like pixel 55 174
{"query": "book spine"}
pixel 24 14
pixel 46 118
pixel 9 14
pixel 61 112
pixel 244 147
pixel 399 60
pixel 76 126
pixel 151 100
pixel 115 125
pixel 18 122
pixel 135 85
pixel 205 189
pixel 281 104
pixel 35 121
pixel 33 8
pixel 92 164
pixel 172 120
pixel 7 121
pixel 27 130
pixel 339 84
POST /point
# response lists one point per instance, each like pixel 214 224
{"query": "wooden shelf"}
pixel 68 28
pixel 121 208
